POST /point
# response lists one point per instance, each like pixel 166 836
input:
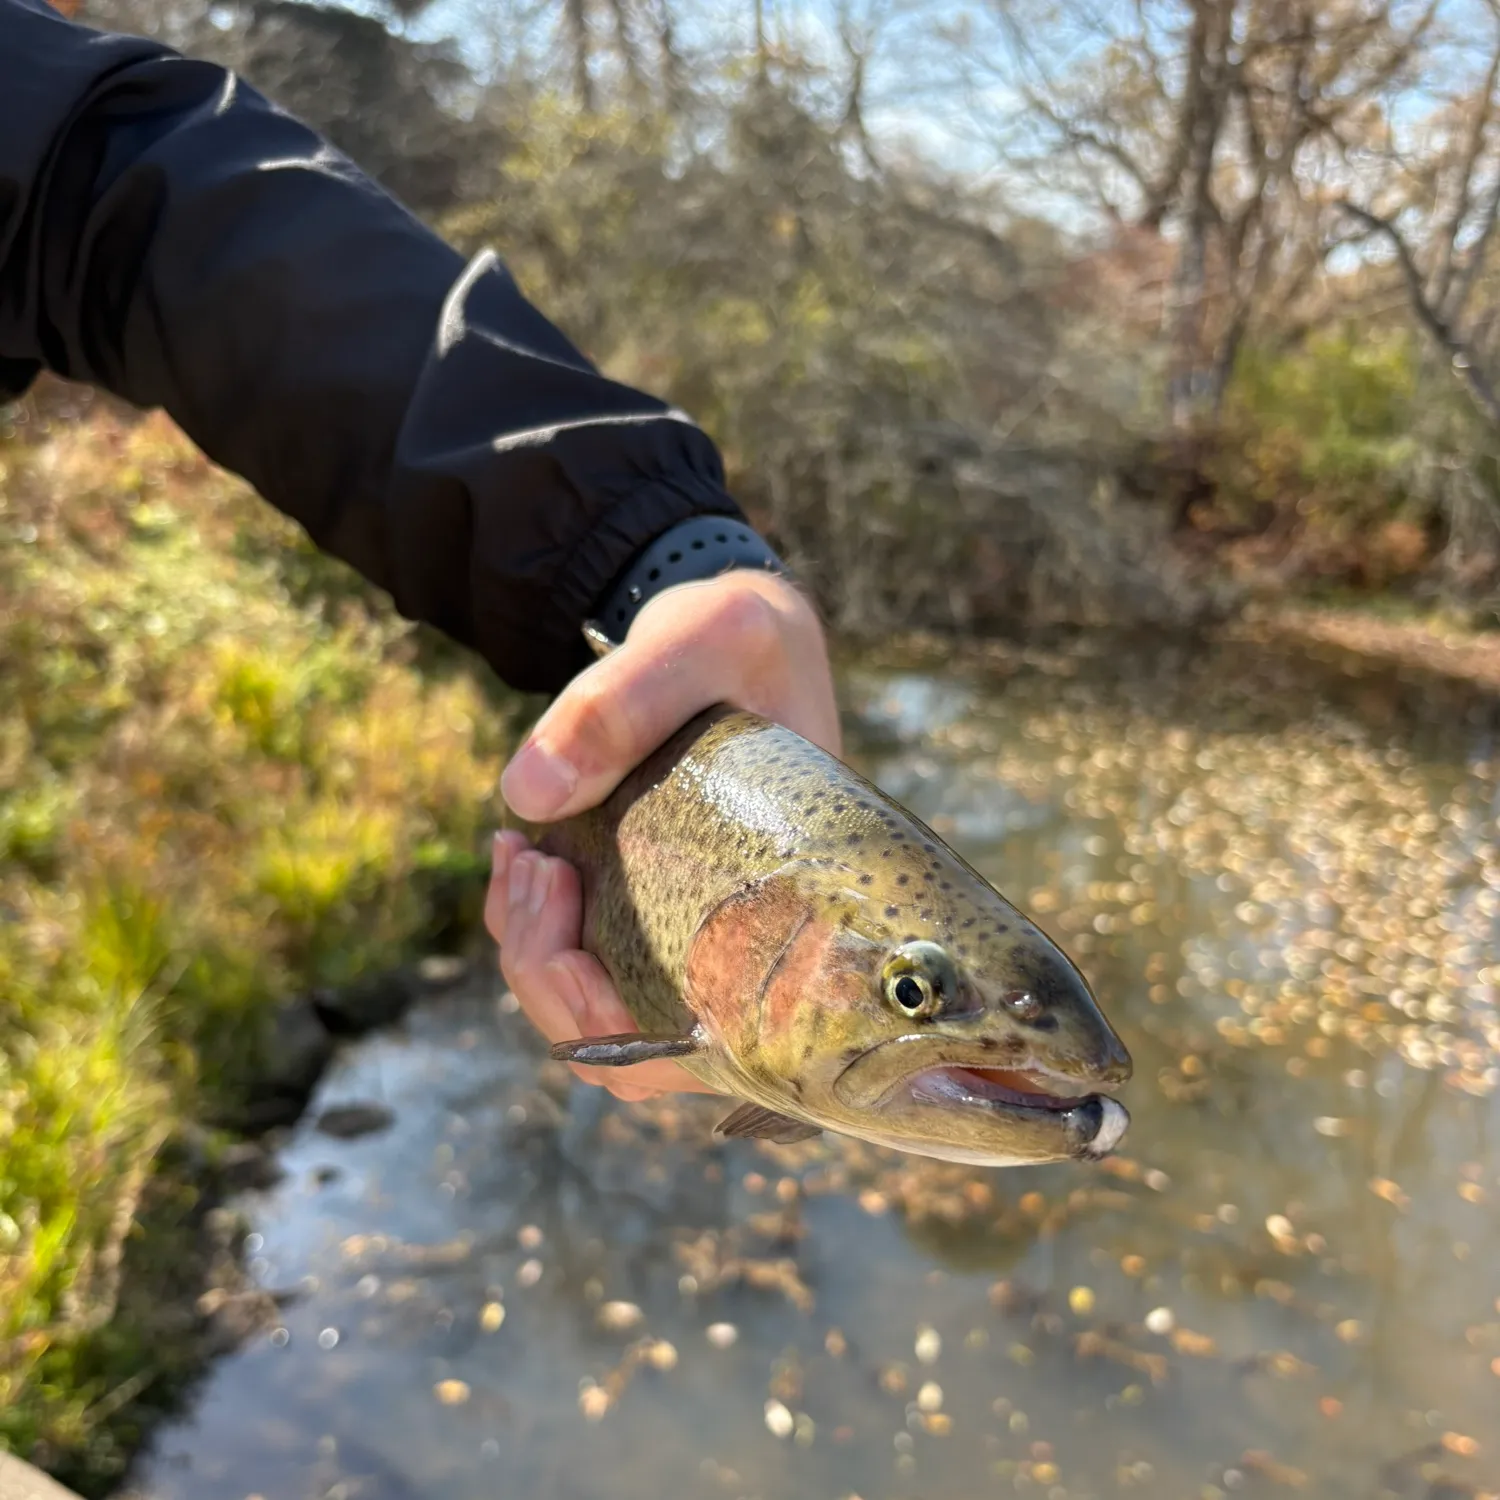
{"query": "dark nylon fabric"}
pixel 168 235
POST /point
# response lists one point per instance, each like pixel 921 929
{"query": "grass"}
pixel 227 771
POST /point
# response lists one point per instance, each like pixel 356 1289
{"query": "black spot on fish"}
pixel 930 848
pixel 947 885
pixel 925 914
pixel 854 838
pixel 902 879
pixel 838 807
pixel 968 921
pixel 866 878
pixel 893 911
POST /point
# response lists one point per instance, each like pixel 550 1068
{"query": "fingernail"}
pixel 541 887
pixel 499 857
pixel 522 872
pixel 537 782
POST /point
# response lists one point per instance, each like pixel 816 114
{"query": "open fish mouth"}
pixel 1094 1123
pixel 1029 1088
pixel 1031 1098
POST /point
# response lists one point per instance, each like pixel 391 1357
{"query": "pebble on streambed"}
pixel 779 1420
pixel 619 1317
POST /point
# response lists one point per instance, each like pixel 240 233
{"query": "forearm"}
pixel 169 236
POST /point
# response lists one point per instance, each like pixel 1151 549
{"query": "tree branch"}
pixel 1442 281
pixel 1442 333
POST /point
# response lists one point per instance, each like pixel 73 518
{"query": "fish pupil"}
pixel 909 994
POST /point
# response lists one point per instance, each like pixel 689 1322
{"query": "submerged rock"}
pixel 380 1000
pixel 296 1050
pixel 347 1122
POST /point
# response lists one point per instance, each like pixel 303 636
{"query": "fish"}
pixel 797 940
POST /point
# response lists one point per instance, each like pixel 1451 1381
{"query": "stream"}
pixel 1281 872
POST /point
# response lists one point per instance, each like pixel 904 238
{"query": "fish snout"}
pixel 1115 1065
pixel 1092 1056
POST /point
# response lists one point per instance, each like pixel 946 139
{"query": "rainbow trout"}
pixel 796 939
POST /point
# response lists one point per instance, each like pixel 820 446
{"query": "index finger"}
pixel 614 714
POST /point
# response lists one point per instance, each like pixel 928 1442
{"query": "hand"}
pixel 746 638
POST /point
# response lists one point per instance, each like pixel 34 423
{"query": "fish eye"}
pixel 919 979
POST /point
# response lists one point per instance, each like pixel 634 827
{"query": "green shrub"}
pixel 1360 451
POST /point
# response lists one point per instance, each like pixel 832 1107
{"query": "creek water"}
pixel 1281 873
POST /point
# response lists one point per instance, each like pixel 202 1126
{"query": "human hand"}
pixel 747 638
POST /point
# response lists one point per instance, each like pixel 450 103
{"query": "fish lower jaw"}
pixel 1112 1128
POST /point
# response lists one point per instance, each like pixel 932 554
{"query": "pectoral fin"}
pixel 765 1125
pixel 630 1047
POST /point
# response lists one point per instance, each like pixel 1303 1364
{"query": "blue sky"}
pixel 914 93
pixel 901 104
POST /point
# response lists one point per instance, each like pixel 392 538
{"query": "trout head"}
pixel 902 1000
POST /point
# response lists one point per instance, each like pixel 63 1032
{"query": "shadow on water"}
pixel 1282 875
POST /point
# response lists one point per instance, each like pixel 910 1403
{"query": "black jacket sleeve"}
pixel 169 235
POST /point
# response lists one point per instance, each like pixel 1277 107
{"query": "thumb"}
pixel 675 663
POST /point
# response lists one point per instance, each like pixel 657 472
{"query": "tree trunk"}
pixel 1191 383
pixel 670 62
pixel 577 19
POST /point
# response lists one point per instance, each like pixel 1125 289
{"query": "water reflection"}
pixel 1283 879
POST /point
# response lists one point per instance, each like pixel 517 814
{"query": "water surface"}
pixel 1282 876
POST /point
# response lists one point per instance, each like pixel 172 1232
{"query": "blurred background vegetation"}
pixel 1003 314
pixel 225 780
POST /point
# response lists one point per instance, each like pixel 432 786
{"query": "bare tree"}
pixel 1436 213
pixel 1219 123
